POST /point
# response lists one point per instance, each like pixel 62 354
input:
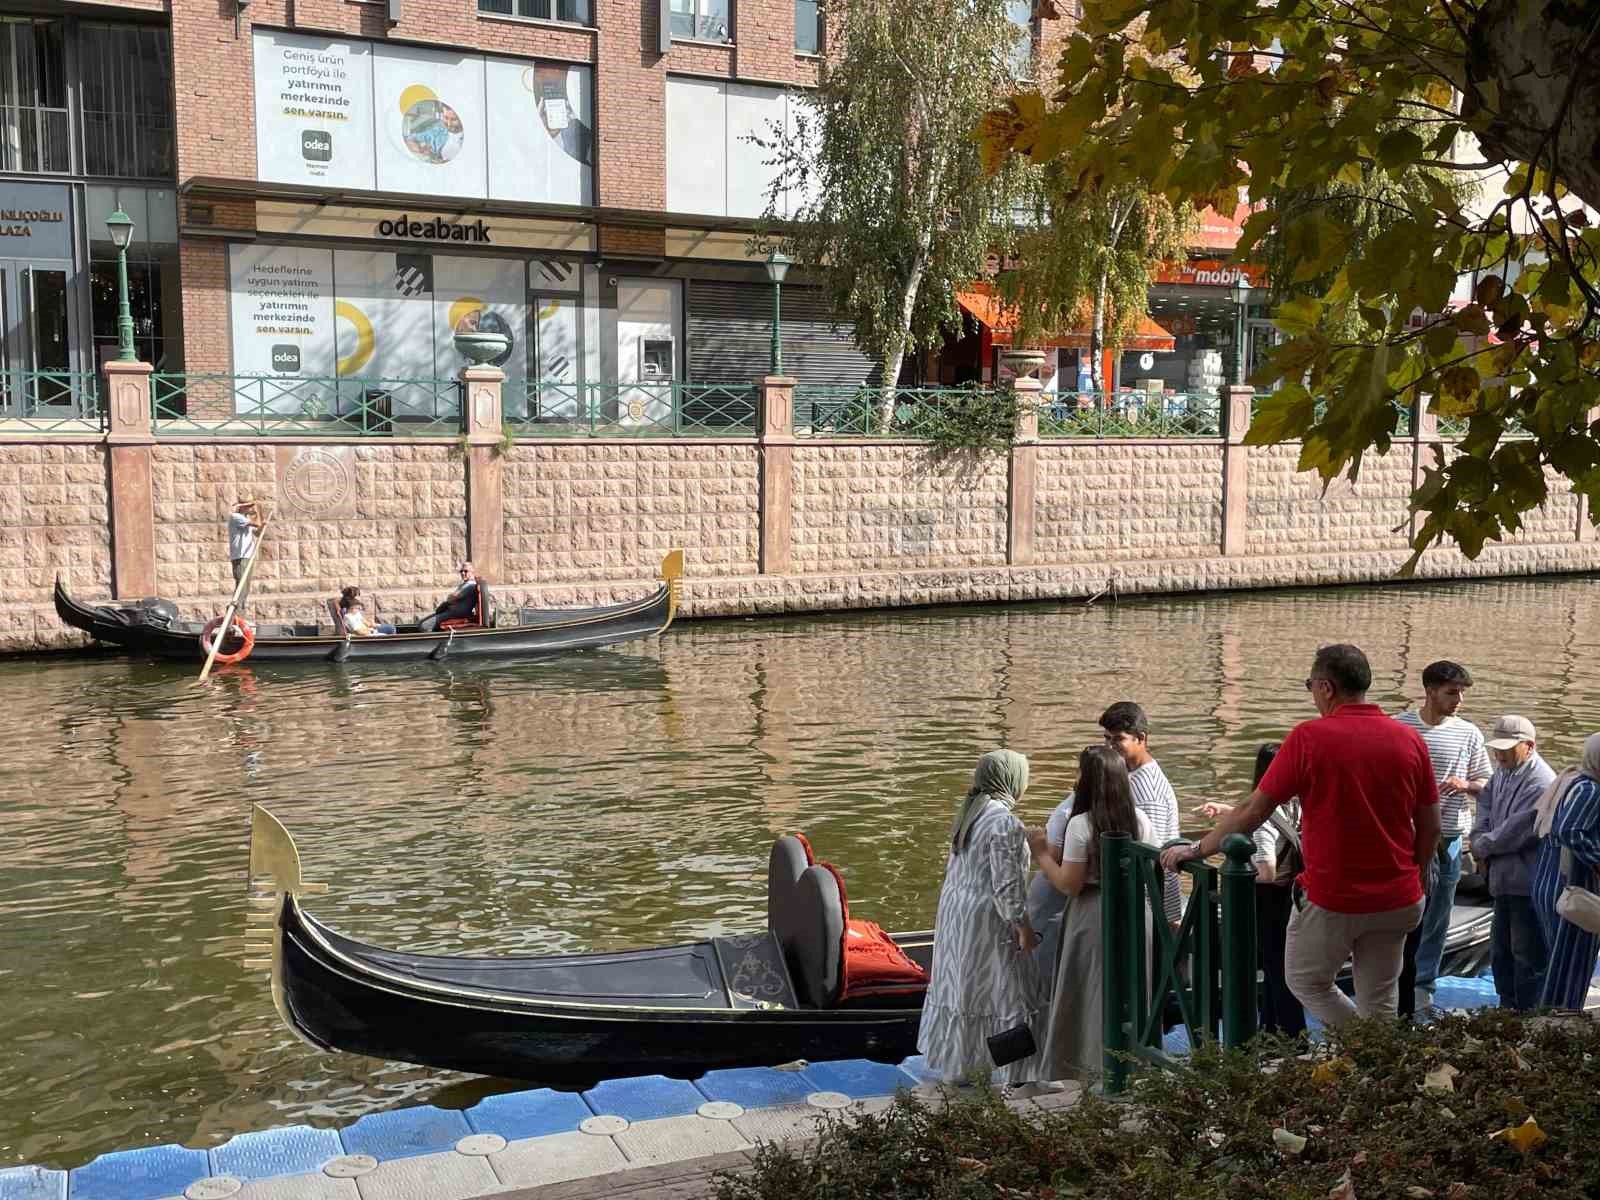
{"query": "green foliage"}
pixel 1349 122
pixel 1386 1111
pixel 899 212
pixel 972 423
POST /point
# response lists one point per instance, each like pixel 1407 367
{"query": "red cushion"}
pixel 874 962
pixel 457 623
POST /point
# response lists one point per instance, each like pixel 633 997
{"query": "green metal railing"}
pixel 52 401
pixel 861 410
pixel 665 409
pixel 269 405
pixel 1208 965
pixel 1130 414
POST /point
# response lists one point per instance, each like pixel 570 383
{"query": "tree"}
pixel 1198 100
pixel 1093 254
pixel 897 210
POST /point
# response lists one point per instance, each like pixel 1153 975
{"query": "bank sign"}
pixel 35 221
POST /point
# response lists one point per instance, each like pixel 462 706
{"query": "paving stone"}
pixel 645 1097
pixel 153 1173
pixel 32 1183
pixel 429 1177
pixel 290 1151
pixel 672 1139
pixel 405 1132
pixel 534 1113
pixel 556 1158
pixel 316 1186
pixel 755 1087
pixel 857 1077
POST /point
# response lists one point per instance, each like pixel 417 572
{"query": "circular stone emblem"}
pixel 317 481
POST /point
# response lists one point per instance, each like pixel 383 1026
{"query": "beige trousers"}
pixel 1320 942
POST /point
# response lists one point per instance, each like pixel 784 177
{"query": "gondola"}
pixel 756 999
pixel 154 627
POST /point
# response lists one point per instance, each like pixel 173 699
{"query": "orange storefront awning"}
pixel 984 306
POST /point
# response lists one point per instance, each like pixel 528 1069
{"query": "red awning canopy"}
pixel 985 307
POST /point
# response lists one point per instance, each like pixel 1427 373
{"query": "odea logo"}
pixel 316 145
pixel 286 358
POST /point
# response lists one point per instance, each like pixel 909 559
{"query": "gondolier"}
pixel 244 526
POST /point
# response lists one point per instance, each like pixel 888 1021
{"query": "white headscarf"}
pixel 1551 800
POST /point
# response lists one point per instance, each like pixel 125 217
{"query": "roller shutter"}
pixel 730 336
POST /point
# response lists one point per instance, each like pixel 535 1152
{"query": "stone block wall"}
pixel 1288 512
pixel 53 506
pixel 1107 501
pixel 877 507
pixel 578 511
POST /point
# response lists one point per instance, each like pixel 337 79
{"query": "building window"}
pixel 701 20
pixel 570 12
pixel 152 274
pixel 34 127
pixel 1020 14
pixel 127 102
pixel 807 27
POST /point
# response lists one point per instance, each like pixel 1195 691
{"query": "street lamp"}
pixel 777 268
pixel 1241 297
pixel 120 226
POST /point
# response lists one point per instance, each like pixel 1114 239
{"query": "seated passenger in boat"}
pixel 354 614
pixel 460 606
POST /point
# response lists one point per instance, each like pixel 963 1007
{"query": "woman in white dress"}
pixel 984 979
pixel 1102 803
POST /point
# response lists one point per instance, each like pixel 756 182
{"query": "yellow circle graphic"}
pixel 415 95
pixel 366 340
pixel 467 306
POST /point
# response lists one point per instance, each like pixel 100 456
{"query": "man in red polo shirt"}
pixel 1369 825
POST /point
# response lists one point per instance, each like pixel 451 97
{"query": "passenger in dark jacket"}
pixel 1505 844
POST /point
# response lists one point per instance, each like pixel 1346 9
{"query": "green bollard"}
pixel 1118 897
pixel 1239 996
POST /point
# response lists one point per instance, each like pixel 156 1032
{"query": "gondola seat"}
pixel 832 960
pixel 479 618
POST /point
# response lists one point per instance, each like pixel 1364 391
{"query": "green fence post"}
pixel 1117 899
pixel 1238 941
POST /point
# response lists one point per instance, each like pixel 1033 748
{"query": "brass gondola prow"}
pixel 274 876
pixel 672 575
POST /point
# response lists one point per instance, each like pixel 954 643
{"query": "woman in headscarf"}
pixel 1102 802
pixel 984 980
pixel 1569 820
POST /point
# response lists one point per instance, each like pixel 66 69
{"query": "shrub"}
pixel 1484 1107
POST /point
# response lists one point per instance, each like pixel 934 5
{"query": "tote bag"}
pixel 1577 904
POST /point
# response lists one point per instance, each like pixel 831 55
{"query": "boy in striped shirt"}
pixel 1127 731
pixel 1461 768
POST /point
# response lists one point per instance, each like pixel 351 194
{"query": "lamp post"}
pixel 120 226
pixel 777 268
pixel 1241 297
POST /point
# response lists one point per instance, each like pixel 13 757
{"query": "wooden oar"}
pixel 239 593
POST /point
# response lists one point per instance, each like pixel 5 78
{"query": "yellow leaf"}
pixel 1330 1071
pixel 1525 1137
pixel 1439 94
pixel 1458 392
pixel 1440 1079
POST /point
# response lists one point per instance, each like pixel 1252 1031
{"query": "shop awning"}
pixel 985 307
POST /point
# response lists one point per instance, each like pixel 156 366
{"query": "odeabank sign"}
pixel 435 229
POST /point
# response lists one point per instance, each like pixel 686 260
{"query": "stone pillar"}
pixel 1237 400
pixel 129 441
pixel 775 447
pixel 1424 439
pixel 481 423
pixel 1024 476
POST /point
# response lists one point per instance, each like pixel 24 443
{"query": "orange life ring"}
pixel 246 634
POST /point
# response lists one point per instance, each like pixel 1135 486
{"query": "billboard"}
pixel 342 113
pixel 281 300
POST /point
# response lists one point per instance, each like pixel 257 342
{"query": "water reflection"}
pixel 598 801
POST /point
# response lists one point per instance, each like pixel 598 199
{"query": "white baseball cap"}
pixel 1508 731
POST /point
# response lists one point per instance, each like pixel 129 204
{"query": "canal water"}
pixel 605 800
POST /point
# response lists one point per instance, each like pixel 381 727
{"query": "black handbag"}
pixel 1012 1045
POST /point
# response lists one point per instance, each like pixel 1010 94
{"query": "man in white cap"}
pixel 1505 845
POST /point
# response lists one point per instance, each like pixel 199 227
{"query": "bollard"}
pixel 1239 1000
pixel 1119 959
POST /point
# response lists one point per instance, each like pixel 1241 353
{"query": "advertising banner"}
pixel 483 295
pixel 433 137
pixel 383 309
pixel 282 312
pixel 541 125
pixel 313 110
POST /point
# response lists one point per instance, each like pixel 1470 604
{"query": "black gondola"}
pixel 153 627
pixel 756 999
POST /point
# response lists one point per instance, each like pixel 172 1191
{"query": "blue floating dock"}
pixel 857 1078
pixel 1456 992
pixel 32 1183
pixel 645 1097
pixel 149 1174
pixel 536 1113
pixel 405 1132
pixel 755 1087
pixel 294 1150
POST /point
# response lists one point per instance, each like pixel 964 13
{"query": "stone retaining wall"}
pixel 851 524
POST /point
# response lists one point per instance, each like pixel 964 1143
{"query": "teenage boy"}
pixel 1127 731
